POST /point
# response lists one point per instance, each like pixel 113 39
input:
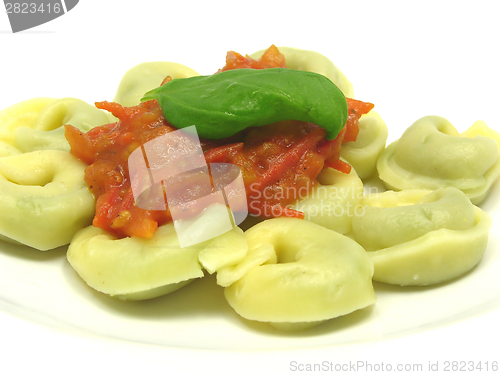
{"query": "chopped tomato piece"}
pixel 355 109
pixel 340 166
pixel 272 58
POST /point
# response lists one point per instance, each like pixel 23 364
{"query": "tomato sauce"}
pixel 272 58
pixel 279 162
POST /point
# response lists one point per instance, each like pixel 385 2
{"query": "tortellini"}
pixel 421 237
pixel 145 77
pixel 37 124
pixel 364 152
pixel 432 154
pixel 43 198
pixel 134 268
pixel 8 150
pixel 311 61
pixel 333 202
pixel 23 114
pixel 313 274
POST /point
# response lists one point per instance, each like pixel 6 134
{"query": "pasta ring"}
pixel 333 203
pixel 421 237
pixel 145 77
pixel 432 154
pixel 43 195
pixel 8 150
pixel 312 61
pixel 134 268
pixel 37 124
pixel 43 199
pixel 364 152
pixel 24 113
pixel 314 274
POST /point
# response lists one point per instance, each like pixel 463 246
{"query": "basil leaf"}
pixel 225 103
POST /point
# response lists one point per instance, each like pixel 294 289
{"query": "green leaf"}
pixel 225 103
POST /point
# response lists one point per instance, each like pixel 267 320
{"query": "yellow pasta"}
pixel 43 198
pixel 134 268
pixel 364 152
pixel 432 154
pixel 37 124
pixel 313 274
pixel 145 77
pixel 25 113
pixel 43 195
pixel 333 202
pixel 8 150
pixel 419 237
pixel 311 61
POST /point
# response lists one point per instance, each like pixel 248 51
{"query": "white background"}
pixel 409 58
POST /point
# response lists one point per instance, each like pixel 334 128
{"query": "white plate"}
pixel 409 62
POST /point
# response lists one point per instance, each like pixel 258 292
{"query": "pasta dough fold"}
pixel 145 77
pixel 419 237
pixel 364 152
pixel 312 61
pixel 333 202
pixel 432 154
pixel 136 268
pixel 43 198
pixel 313 274
pixel 37 124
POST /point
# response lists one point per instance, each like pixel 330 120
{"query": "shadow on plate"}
pixel 29 253
pixel 202 297
pixel 328 327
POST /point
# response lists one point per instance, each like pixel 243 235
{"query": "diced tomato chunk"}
pixel 355 109
pixel 272 58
